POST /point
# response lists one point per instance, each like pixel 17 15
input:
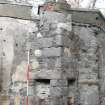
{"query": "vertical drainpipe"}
pixel 1 67
pixel 27 70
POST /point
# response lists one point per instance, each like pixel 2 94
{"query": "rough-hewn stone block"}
pixel 52 52
pixel 58 91
pixel 58 82
pixel 46 74
pixel 58 100
pixel 15 11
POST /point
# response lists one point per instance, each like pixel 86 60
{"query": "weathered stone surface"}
pixel 4 100
pixel 101 53
pixel 58 82
pixel 58 101
pixel 58 91
pixel 64 65
pixel 42 90
pixel 21 2
pixel 89 95
pixel 79 17
pixel 88 66
pixel 52 16
pixel 46 74
pixel 52 52
pixel 13 48
pixel 15 11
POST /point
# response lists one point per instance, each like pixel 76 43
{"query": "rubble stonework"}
pixel 66 57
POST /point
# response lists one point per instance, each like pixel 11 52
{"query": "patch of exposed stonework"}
pixel 88 66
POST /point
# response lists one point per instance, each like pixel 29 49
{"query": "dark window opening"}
pixel 47 81
pixel 71 82
pixel 97 18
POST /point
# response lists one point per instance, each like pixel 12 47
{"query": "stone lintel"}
pixel 49 74
pixel 15 11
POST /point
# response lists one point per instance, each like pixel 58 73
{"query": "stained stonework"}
pixel 66 56
pixel 10 45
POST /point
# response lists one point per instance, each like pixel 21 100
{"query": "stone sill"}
pixel 89 82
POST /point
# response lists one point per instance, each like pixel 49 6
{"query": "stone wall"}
pixel 21 2
pixel 49 60
pixel 88 66
pixel 12 45
pixel 66 58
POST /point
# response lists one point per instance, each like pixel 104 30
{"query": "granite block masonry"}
pixel 66 56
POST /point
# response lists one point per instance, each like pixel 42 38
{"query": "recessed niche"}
pixel 4 40
pixel 97 18
pixel 3 53
pixel 42 88
pixel 71 91
pixel 46 81
pixel 71 82
pixel 33 32
pixel 1 28
pixel 84 50
pixel 16 44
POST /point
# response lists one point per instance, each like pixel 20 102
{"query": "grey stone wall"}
pixel 12 45
pixel 101 37
pixel 88 66
pixel 66 60
pixel 49 59
pixel 21 2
